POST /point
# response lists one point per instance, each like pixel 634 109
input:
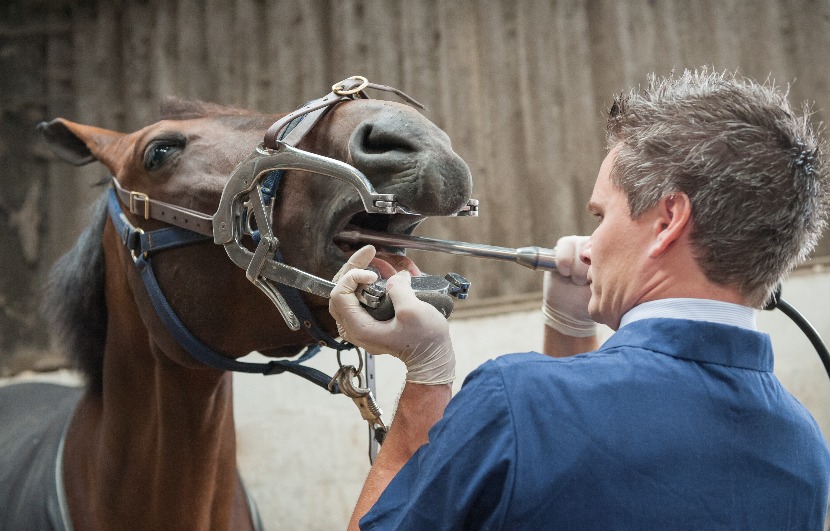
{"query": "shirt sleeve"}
pixel 463 477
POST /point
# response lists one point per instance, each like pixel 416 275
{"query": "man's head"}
pixel 751 168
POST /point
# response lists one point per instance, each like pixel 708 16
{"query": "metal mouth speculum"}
pixel 241 206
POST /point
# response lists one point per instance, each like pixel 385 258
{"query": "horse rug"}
pixel 31 482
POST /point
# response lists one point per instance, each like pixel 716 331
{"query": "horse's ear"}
pixel 74 142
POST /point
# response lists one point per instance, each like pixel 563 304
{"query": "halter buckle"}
pixel 136 196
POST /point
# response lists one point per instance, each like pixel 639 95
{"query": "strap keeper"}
pixel 273 367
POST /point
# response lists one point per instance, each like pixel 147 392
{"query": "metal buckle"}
pixel 340 89
pixel 134 196
pixel 359 363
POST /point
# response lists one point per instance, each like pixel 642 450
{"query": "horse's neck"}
pixel 157 449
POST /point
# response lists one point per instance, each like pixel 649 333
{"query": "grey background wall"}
pixel 520 86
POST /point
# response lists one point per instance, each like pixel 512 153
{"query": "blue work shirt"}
pixel 671 424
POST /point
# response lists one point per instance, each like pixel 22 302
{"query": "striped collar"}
pixel 695 310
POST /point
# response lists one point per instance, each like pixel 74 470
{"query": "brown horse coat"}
pixel 151 443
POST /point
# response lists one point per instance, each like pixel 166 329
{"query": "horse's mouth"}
pixel 388 260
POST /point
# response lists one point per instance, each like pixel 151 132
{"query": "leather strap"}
pixel 204 354
pixel 133 239
pixel 141 205
pixel 147 243
pixel 313 109
pixel 349 89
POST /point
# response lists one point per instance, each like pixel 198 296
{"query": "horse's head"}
pixel 186 160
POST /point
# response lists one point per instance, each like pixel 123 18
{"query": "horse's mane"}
pixel 73 303
pixel 173 108
pixel 73 300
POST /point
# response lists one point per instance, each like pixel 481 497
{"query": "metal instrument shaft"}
pixel 533 257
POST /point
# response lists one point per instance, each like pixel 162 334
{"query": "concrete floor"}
pixel 303 452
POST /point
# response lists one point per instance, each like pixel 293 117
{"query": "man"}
pixel 712 190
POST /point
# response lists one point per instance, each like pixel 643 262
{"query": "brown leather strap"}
pixel 141 205
pixel 348 89
pixel 401 94
pixel 314 109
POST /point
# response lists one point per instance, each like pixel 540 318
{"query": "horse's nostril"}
pixel 369 144
pixel 376 139
pixel 414 160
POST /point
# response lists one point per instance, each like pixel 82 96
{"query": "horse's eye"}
pixel 160 150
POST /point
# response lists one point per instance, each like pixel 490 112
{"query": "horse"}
pixel 149 442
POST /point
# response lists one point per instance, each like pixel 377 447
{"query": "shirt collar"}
pixel 694 310
pixel 697 341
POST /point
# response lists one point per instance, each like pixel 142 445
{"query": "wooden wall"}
pixel 520 86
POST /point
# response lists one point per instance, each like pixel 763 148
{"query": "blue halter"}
pixel 142 245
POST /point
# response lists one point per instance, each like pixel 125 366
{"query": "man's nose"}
pixel 585 253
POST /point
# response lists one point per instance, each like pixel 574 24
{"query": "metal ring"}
pixel 339 89
pixel 140 231
pixel 347 386
pixel 359 359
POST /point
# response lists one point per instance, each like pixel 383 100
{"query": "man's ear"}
pixel 673 214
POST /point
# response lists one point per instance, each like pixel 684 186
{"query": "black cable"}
pixel 808 330
pixel 775 301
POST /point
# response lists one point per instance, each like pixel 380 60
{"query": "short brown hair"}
pixel 752 168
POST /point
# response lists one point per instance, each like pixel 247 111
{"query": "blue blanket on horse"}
pixel 30 496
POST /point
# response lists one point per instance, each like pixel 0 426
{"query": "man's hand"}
pixel 566 291
pixel 418 335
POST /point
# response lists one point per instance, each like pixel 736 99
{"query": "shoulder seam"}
pixel 514 463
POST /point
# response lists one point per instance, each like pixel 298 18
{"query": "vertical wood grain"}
pixel 520 87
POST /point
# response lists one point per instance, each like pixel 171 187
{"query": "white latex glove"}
pixel 566 291
pixel 418 335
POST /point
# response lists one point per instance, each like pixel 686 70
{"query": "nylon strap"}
pixel 135 240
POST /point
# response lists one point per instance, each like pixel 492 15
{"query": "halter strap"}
pixel 349 89
pixel 141 205
pixel 142 245
pixel 190 226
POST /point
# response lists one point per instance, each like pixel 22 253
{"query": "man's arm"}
pixel 418 335
pixel 419 408
pixel 569 328
pixel 559 345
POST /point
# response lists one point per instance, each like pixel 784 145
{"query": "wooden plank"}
pixel 163 56
pixel 221 62
pixel 298 59
pixel 520 87
pixel 138 76
pixel 457 109
pixel 22 79
pixel 194 81
pixel 35 28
